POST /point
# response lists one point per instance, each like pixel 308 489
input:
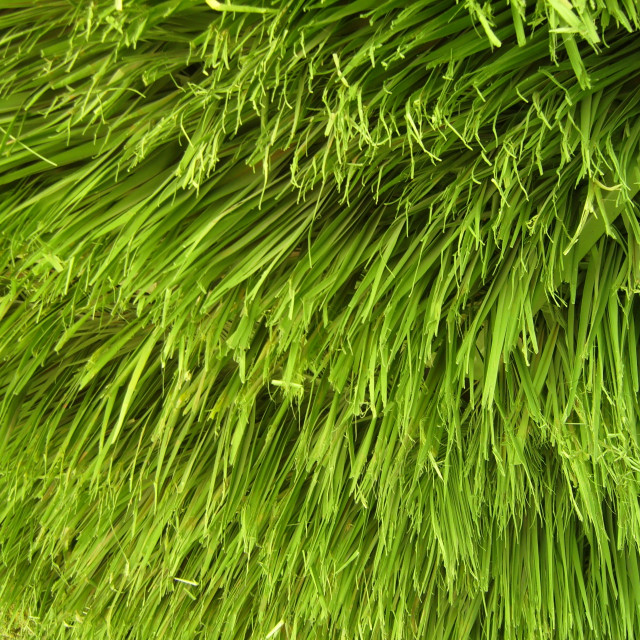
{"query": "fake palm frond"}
pixel 319 320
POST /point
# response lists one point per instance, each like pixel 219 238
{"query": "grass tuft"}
pixel 319 319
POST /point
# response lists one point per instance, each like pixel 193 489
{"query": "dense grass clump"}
pixel 319 320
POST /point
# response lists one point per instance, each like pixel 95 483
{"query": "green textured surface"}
pixel 319 320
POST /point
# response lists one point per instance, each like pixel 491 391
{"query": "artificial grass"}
pixel 319 319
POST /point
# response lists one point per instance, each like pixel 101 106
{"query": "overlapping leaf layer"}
pixel 319 320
